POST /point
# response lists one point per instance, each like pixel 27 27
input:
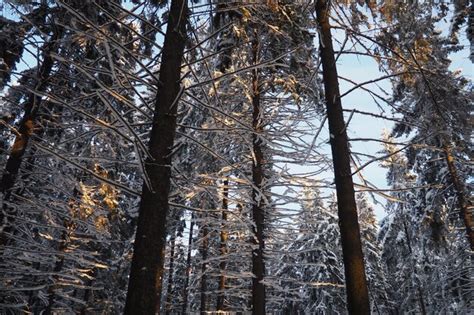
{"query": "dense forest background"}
pixel 197 156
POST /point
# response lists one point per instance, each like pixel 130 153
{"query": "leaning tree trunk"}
pixel 258 204
pixel 144 288
pixel 356 284
pixel 461 194
pixel 26 130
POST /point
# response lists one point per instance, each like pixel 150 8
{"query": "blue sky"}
pixel 362 68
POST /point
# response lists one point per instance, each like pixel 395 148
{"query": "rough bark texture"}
pixel 258 204
pixel 144 288
pixel 356 284
pixel 464 209
pixel 223 248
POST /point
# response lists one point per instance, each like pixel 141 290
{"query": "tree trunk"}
pixel 258 204
pixel 204 249
pixel 58 266
pixel 169 295
pixel 188 266
pixel 461 196
pixel 144 288
pixel 356 284
pixel 223 247
pixel 26 129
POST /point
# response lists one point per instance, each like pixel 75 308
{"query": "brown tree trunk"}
pixel 25 131
pixel 356 284
pixel 170 277
pixel 204 251
pixel 188 266
pixel 464 212
pixel 223 247
pixel 258 204
pixel 144 288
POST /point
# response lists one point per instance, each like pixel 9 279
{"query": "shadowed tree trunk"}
pixel 205 244
pixel 258 203
pixel 144 288
pixel 223 247
pixel 356 284
pixel 169 295
pixel 188 266
pixel 26 130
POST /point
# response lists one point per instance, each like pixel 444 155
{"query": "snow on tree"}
pixel 239 229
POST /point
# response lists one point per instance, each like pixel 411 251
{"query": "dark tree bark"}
pixel 169 294
pixel 258 204
pixel 204 251
pixel 223 247
pixel 26 130
pixel 188 266
pixel 144 288
pixel 356 284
